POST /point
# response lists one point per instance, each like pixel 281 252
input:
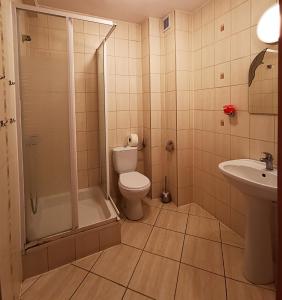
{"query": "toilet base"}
pixel 133 209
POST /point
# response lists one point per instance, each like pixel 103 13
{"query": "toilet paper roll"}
pixel 132 140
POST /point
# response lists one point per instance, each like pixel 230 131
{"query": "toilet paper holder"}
pixel 169 146
pixel 141 145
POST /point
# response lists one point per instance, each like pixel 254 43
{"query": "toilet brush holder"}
pixel 165 196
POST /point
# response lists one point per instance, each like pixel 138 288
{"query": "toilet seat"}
pixel 133 181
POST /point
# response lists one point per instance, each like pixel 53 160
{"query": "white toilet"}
pixel 133 185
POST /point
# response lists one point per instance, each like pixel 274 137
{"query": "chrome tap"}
pixel 268 159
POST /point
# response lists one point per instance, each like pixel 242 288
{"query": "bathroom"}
pixel 139 150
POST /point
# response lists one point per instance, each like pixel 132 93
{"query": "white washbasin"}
pixel 252 177
pixel 260 187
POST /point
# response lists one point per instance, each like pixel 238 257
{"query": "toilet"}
pixel 133 185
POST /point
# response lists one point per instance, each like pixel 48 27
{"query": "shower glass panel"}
pixel 44 96
pixel 102 117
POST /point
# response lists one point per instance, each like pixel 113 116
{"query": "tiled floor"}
pixel 172 253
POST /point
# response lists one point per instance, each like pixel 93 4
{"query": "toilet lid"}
pixel 133 180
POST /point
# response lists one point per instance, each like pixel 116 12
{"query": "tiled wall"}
pixel 184 117
pixel 145 54
pixel 124 93
pixel 156 91
pixel 87 38
pixel 170 107
pixel 169 82
pixel 10 248
pixel 65 250
pixel 125 106
pixel 224 42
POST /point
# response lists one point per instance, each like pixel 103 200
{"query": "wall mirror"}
pixel 263 83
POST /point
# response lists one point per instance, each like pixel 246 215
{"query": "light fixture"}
pixel 268 29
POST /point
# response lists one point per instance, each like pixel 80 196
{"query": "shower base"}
pixel 98 228
pixel 92 207
pixel 54 215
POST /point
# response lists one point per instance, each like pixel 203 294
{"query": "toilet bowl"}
pixel 133 185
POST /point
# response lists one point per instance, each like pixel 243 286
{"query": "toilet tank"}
pixel 125 159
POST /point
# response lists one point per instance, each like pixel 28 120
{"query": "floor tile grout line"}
pixel 201 269
pixel 39 276
pixel 88 271
pixel 142 251
pixel 130 289
pixel 222 256
pixel 201 237
pixel 73 263
pixel 79 284
pixel 177 277
pixel 106 278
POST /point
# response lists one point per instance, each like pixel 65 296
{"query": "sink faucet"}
pixel 268 159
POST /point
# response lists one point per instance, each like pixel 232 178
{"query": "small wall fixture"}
pixel 268 29
pixel 229 110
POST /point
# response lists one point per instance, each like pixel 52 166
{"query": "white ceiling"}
pixel 126 10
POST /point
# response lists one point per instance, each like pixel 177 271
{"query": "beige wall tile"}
pixel 61 252
pixel 240 44
pixel 262 127
pixel 240 17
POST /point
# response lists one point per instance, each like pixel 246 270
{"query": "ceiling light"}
pixel 268 29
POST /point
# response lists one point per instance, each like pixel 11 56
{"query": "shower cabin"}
pixel 62 123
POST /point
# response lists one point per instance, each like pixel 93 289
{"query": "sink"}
pixel 260 188
pixel 251 177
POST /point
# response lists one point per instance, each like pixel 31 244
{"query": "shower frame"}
pixel 69 17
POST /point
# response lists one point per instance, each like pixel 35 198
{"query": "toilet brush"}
pixel 165 197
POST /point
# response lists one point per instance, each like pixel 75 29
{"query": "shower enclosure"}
pixel 62 122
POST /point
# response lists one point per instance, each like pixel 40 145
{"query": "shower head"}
pixel 26 38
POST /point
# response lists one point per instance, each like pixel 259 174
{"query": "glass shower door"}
pixel 45 114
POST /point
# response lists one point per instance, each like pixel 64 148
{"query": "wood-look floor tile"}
pixel 135 233
pixel 155 276
pixel 230 237
pixel 153 202
pixel 195 284
pixel 131 295
pixel 172 220
pixel 150 214
pixel 166 243
pixel 203 227
pixel 88 261
pixel 197 210
pixel 233 262
pixel 96 287
pixel 238 290
pixel 27 283
pixel 203 254
pixel 171 206
pixel 117 263
pixel 56 284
